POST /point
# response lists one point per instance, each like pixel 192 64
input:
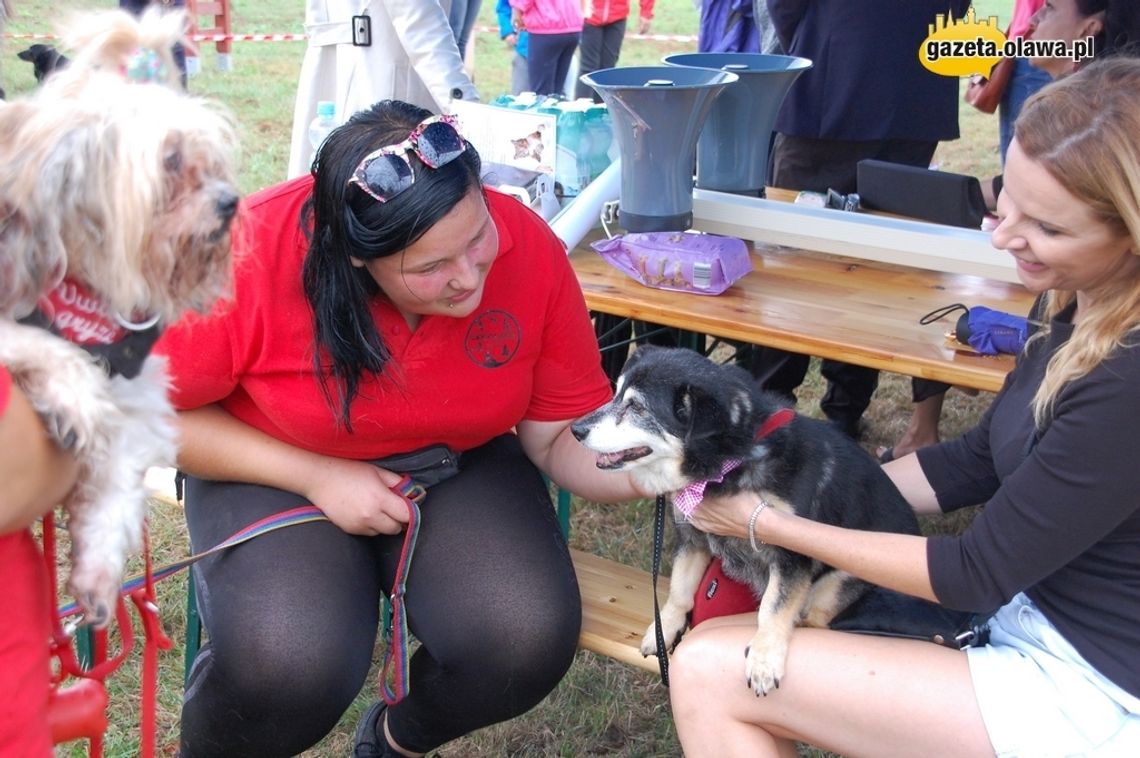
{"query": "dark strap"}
pixel 658 542
pixel 780 418
pixel 943 312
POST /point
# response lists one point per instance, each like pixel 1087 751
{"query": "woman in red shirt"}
pixel 386 303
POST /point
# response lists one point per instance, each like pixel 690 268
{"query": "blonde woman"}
pixel 1056 549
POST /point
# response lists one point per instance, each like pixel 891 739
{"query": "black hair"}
pixel 1120 34
pixel 344 222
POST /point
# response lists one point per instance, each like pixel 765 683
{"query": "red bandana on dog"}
pixel 72 311
pixel 686 500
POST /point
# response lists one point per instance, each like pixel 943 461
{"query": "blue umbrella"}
pixel 986 330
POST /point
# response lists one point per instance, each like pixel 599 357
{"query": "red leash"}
pixel 79 711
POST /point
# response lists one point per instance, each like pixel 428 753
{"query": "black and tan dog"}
pixel 678 420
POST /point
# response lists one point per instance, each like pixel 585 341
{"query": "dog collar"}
pixel 75 313
pixel 689 497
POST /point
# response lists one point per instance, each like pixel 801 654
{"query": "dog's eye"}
pixel 173 162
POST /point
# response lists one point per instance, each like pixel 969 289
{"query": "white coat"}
pixel 413 57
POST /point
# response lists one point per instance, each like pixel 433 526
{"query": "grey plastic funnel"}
pixel 732 152
pixel 657 114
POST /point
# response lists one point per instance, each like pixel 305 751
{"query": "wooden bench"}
pixel 617 600
pixel 617 607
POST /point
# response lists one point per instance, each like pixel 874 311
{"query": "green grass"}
pixel 602 707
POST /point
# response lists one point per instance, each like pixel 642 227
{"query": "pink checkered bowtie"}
pixel 686 500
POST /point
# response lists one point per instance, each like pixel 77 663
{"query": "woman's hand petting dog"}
pixel 356 496
pixel 728 515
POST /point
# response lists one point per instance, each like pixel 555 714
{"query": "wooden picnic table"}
pixel 856 311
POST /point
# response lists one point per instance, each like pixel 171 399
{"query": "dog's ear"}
pixel 640 354
pixel 700 410
pixel 723 416
pixel 27 265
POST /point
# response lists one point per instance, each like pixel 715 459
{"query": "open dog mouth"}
pixel 615 460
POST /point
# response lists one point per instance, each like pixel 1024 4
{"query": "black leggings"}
pixel 292 616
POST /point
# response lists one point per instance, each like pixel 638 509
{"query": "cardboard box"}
pixel 559 140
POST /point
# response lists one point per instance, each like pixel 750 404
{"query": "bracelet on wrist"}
pixel 756 544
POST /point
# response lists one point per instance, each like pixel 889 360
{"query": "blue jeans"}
pixel 461 19
pixel 1026 80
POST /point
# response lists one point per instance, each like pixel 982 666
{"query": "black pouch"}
pixel 893 614
pixel 427 466
pixel 941 197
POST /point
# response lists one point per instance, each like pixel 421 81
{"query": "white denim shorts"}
pixel 1039 698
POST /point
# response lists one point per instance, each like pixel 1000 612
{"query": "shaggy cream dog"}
pixel 116 199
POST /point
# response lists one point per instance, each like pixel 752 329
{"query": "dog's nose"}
pixel 227 204
pixel 579 430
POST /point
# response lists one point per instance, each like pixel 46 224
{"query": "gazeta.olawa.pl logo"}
pixel 970 47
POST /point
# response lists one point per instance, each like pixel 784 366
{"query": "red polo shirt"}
pixel 527 352
pixel 25 666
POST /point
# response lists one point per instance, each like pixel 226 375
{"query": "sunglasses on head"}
pixel 386 172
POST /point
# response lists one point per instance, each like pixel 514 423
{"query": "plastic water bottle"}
pixel 324 123
pixel 568 149
pixel 600 130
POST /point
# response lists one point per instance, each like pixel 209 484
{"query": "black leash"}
pixel 658 542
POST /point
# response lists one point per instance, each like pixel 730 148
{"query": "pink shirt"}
pixel 1023 11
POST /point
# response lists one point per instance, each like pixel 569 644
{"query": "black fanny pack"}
pixel 427 466
pixel 892 614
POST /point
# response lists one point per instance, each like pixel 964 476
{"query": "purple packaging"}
pixel 706 264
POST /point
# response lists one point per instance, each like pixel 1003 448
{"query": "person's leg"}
pixel 492 598
pixel 291 617
pixel 469 25
pixel 461 18
pixel 604 48
pixel 589 59
pixel 775 370
pixel 851 694
pixel 612 37
pixel 567 46
pixel 542 63
pixel 520 80
pixel 849 391
pixel 817 165
pixel 922 429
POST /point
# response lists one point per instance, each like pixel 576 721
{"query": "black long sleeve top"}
pixel 1061 520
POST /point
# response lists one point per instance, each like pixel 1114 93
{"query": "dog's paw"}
pixel 764 662
pixel 96 588
pixel 673 623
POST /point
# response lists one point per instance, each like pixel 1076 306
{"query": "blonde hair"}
pixel 1085 131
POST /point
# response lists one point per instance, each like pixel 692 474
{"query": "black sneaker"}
pixel 369 740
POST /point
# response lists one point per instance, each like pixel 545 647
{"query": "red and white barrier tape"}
pixel 249 37
pixel 685 38
pixel 193 37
